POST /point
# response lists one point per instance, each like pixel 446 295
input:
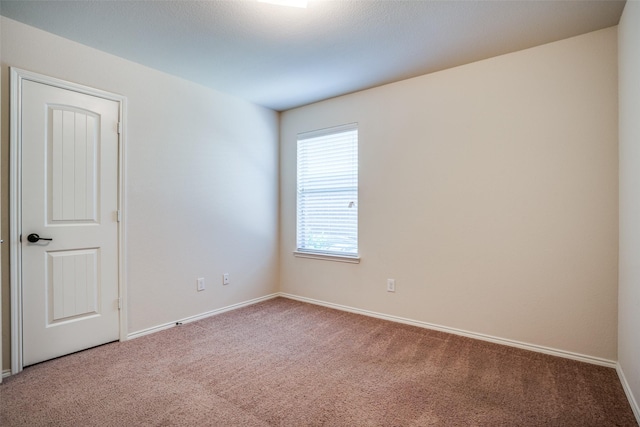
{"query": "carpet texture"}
pixel 286 363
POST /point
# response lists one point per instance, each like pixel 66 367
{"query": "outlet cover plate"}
pixel 391 285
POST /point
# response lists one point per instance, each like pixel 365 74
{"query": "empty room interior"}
pixel 492 217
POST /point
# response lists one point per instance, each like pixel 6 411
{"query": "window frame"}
pixel 322 254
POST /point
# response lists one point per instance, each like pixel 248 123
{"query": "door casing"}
pixel 15 201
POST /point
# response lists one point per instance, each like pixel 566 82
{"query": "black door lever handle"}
pixel 33 238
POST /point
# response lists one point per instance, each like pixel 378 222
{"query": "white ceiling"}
pixel 283 57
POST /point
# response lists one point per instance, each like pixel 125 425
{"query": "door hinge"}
pixel 119 215
pixel 119 303
pixel 119 127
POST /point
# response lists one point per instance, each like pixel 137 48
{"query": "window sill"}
pixel 328 257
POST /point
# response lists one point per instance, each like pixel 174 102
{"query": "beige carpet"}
pixel 286 363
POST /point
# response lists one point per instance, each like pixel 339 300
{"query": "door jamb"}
pixel 15 198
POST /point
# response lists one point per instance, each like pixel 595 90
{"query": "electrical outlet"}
pixel 225 279
pixel 200 282
pixel 391 285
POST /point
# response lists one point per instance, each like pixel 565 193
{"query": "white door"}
pixel 69 170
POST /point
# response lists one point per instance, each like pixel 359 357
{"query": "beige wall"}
pixel 202 181
pixel 488 191
pixel 629 287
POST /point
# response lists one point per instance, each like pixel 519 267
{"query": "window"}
pixel 327 200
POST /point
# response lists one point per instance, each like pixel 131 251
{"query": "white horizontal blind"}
pixel 327 202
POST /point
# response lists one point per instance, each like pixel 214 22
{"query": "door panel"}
pixel 72 155
pixel 69 194
pixel 72 284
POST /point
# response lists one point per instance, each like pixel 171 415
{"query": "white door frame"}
pixel 15 201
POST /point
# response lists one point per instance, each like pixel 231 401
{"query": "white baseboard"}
pixel 6 373
pixel 627 390
pixel 190 319
pixel 512 343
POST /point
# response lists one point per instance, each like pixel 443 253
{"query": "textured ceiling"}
pixel 282 57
